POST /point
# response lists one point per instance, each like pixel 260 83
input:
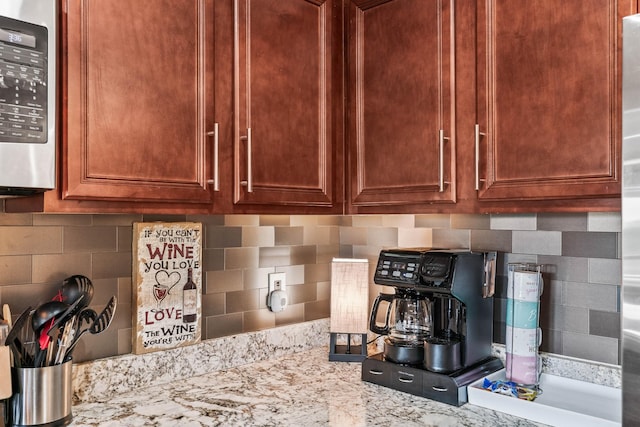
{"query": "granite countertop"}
pixel 299 389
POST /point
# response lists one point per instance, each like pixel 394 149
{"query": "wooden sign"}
pixel 167 285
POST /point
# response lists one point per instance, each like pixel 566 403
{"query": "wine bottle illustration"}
pixel 189 299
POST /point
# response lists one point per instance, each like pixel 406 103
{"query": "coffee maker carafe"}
pixel 407 325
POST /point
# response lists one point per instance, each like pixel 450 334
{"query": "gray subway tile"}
pixel 537 242
pixel 90 239
pixel 55 268
pixel 258 236
pixel 62 219
pixel 303 255
pixel 591 347
pixel 110 264
pixel 275 220
pixel 471 221
pixel 605 271
pixel 576 319
pixel 569 269
pixel 224 325
pixel 257 320
pixel 590 244
pixel 456 239
pixel 595 297
pixel 382 236
pixel 116 220
pixel 241 258
pixel 223 281
pixel 406 221
pixel 366 221
pixel 242 301
pixel 604 323
pixel 415 237
pixel 562 221
pixel 513 221
pixel 239 220
pixel 15 269
pixel 223 237
pixel 605 221
pixel 433 221
pixel 30 240
pixel 288 236
pixel 494 240
pixel 551 341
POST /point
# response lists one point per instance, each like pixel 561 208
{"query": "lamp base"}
pixel 347 353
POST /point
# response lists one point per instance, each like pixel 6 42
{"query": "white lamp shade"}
pixel 349 296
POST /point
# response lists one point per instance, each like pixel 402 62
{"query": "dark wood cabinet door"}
pixel 549 98
pixel 287 103
pixel 401 132
pixel 138 91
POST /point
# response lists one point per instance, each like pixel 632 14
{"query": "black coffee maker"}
pixel 451 343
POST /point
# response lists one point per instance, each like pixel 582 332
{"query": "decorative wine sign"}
pixel 167 276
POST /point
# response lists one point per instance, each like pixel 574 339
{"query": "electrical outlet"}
pixel 277 282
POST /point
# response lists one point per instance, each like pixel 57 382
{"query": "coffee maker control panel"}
pixel 398 268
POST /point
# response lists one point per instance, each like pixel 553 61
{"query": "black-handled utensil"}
pixel 20 359
pixel 100 324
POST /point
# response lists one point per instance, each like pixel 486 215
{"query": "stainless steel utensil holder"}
pixel 42 396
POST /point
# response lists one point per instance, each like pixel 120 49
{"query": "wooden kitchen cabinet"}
pixel 158 98
pixel 548 98
pixel 287 105
pixel 528 94
pixel 401 97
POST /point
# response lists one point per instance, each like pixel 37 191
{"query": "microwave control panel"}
pixel 23 82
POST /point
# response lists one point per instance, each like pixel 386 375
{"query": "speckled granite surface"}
pixel 279 376
pixel 302 389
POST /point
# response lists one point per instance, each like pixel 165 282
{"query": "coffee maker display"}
pixel 438 324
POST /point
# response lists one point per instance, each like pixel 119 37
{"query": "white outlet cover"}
pixel 274 279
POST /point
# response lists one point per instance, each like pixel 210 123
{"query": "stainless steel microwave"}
pixel 27 96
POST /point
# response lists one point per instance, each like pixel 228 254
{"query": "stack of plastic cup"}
pixel 523 335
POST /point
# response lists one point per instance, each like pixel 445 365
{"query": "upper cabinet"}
pixel 401 118
pixel 495 105
pixel 287 103
pixel 199 106
pixel 548 98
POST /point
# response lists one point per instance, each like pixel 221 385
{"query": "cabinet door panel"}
pixel 548 98
pixel 139 79
pixel 401 64
pixel 284 83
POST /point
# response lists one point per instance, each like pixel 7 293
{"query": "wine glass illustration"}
pixel 164 283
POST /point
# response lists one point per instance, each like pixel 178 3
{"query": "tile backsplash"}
pixel 580 314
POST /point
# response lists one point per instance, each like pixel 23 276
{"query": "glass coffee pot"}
pixel 407 325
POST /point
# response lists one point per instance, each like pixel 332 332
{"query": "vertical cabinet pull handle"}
pixel 216 169
pixel 248 183
pixel 441 140
pixel 478 134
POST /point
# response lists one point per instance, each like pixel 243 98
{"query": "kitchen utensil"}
pixel 6 314
pixel 41 321
pixel 100 324
pixel 5 373
pixel 20 358
pixel 77 286
pixel 87 316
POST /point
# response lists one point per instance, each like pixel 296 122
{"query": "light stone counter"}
pixel 279 376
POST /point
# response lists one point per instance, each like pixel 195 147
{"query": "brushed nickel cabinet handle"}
pixel 439 389
pixel 441 140
pixel 478 133
pixel 216 170
pixel 248 183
